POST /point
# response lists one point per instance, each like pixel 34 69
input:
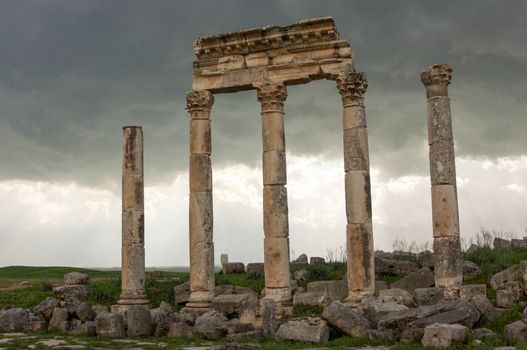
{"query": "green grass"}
pixel 491 261
pixel 307 311
pixel 34 273
pixel 255 282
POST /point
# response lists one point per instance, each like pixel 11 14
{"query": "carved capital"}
pixel 437 74
pixel 199 100
pixel 352 87
pixel 272 96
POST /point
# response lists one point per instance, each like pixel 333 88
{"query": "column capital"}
pixel 272 96
pixel 436 79
pixel 437 74
pixel 199 100
pixel 352 87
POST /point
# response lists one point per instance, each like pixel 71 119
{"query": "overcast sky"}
pixel 72 73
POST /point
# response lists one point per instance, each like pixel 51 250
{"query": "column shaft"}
pixel 448 269
pixel 275 210
pixel 133 245
pixel 359 234
pixel 199 104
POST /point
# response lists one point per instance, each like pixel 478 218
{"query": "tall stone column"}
pixel 359 235
pixel 275 212
pixel 448 268
pixel 133 220
pixel 199 104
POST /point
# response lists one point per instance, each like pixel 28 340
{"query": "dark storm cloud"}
pixel 73 72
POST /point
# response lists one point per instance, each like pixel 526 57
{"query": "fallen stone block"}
pixel 345 319
pixel 470 270
pixel 182 293
pixel 444 335
pixel 504 298
pixel 76 278
pixel 421 278
pixel 234 267
pixel 308 329
pixel 468 291
pixel 335 290
pixel 311 298
pixel 229 304
pixel 59 315
pixel 110 325
pixel 428 296
pixel 397 295
pixel 46 307
pixel 255 268
pixel 510 274
pixel 516 331
pixel 68 292
pixel 485 307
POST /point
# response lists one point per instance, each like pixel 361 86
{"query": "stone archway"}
pixel 267 60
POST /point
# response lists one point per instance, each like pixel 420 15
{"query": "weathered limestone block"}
pixel 519 243
pixel 162 317
pixel 516 331
pixel 400 296
pixel 444 335
pixel 335 290
pixel 110 325
pixel 346 320
pixel 139 321
pixel 46 307
pixel 202 266
pixel 510 274
pixel 426 259
pixel 260 313
pixel 311 298
pixel 69 292
pixel 501 243
pixel 361 281
pixel 211 325
pixel 273 137
pixel 274 168
pixel 301 275
pixel 200 176
pixel 276 253
pixel 391 266
pixel 482 333
pixel 421 278
pixel 59 315
pixel 180 329
pixel 13 320
pixel 399 321
pixel 314 260
pixel 200 216
pixel 442 169
pixel 37 323
pixel 231 63
pixel 200 136
pixel 356 150
pixel 276 223
pixel 234 267
pixel 255 268
pixel 470 270
pixel 358 202
pixel 307 329
pixel 375 309
pixel 230 304
pixel 468 291
pixel 182 293
pixel 485 307
pixel 74 278
pixel 256 59
pixel 448 269
pixel 302 259
pixel 84 312
pixel 504 298
pixel 428 296
pixel 515 288
pixel 444 211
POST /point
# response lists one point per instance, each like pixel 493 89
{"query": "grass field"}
pixel 105 288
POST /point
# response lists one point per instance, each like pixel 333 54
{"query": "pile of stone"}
pixel 411 310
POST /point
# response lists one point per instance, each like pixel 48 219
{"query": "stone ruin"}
pixel 433 306
pixel 268 60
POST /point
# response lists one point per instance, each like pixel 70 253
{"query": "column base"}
pixel 197 308
pixel 199 302
pixel 354 298
pixel 279 295
pixel 133 298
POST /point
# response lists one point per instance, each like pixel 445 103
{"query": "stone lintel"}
pixel 289 74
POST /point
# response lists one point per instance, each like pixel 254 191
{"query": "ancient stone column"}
pixel 275 211
pixel 133 220
pixel 199 104
pixel 448 268
pixel 359 235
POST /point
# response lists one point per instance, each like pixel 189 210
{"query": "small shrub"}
pixel 45 286
pixel 307 311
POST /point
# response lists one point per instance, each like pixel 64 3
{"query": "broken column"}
pixel 447 247
pixel 133 220
pixel 359 235
pixel 199 104
pixel 276 225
